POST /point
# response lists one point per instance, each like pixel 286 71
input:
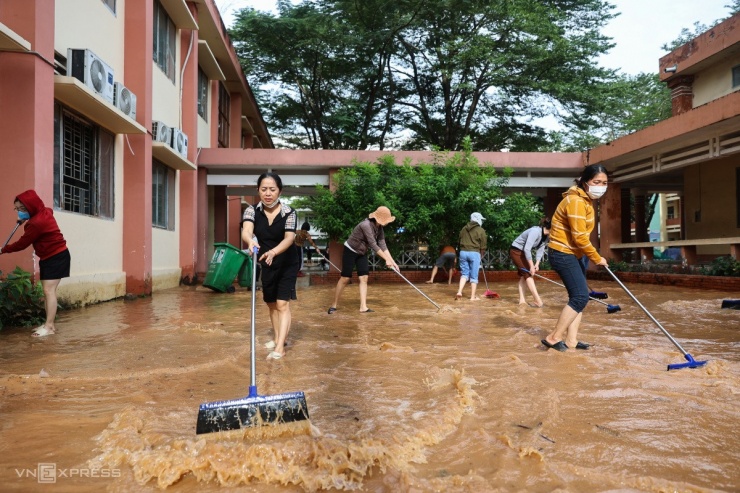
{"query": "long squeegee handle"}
pixel 669 336
pixel 419 290
pixel 11 234
pixel 558 284
pixel 253 371
pixel 322 256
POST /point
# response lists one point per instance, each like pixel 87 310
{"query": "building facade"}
pixel 105 106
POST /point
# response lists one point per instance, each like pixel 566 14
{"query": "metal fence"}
pixel 420 260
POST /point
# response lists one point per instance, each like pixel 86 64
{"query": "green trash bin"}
pixel 245 273
pixel 224 267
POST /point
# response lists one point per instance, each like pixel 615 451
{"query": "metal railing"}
pixel 419 260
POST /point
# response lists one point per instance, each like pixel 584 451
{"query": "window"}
pixel 83 166
pixel 224 112
pixel 203 94
pixel 163 196
pixel 111 5
pixel 736 76
pixel 737 196
pixel 164 41
pixel 671 212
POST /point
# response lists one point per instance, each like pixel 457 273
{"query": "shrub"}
pixel 724 266
pixel 21 301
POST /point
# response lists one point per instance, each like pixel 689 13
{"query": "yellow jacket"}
pixel 572 224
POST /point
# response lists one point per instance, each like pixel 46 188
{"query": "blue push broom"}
pixel 691 362
pixel 253 410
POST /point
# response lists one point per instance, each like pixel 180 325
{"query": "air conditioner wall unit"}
pixel 124 100
pixel 180 142
pixel 92 71
pixel 161 132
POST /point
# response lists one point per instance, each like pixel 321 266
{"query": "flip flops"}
pixel 331 310
pixel 368 311
pixel 274 355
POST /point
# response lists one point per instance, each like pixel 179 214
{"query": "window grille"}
pixel 203 84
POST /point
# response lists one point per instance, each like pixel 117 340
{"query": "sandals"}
pixel 331 310
pixel 274 355
pixel 560 346
pixel 458 296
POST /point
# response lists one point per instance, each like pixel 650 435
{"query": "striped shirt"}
pixel 572 224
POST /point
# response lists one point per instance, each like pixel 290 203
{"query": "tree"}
pixel 423 73
pixel 628 104
pixel 431 201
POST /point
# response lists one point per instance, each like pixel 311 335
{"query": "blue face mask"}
pixel 23 216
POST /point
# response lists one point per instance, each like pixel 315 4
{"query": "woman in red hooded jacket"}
pixel 41 231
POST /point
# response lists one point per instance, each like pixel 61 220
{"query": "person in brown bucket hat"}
pixel 368 234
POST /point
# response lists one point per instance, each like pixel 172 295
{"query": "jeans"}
pixel 469 265
pixel 571 272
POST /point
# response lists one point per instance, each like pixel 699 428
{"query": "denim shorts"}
pixel 469 265
pixel 571 272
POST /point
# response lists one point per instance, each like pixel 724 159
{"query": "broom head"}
pixel 599 295
pixel 254 410
pixel 491 294
pixel 692 363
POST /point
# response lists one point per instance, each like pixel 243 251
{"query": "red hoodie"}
pixel 41 230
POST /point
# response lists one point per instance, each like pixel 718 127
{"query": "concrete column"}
pixel 220 214
pixel 335 247
pixel 137 165
pixel 188 225
pixel 640 225
pixel 625 211
pixel 26 117
pixel 682 94
pixel 552 199
pixel 233 228
pixel 611 221
pixel 201 246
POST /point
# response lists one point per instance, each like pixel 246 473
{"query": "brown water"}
pixel 403 399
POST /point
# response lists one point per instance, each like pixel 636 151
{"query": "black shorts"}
pixel 56 266
pixel 279 283
pixel 350 259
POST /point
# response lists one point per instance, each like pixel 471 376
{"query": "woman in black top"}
pixel 270 226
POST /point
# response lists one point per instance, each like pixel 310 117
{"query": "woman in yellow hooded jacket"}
pixel 570 240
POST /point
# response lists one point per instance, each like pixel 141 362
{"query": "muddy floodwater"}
pixel 405 399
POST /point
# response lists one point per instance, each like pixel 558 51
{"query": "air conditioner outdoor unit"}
pixel 161 132
pixel 124 100
pixel 92 71
pixel 180 142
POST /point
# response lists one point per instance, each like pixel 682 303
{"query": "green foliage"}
pixel 21 301
pixel 431 201
pixel 627 104
pixel 723 266
pixel 343 74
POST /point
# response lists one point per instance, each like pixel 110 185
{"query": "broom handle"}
pixel 322 256
pixel 11 234
pixel 675 343
pixel 419 290
pixel 558 284
pixel 253 382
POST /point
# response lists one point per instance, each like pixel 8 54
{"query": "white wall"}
pixel 91 25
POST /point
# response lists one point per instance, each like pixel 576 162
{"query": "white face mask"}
pixel 596 191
